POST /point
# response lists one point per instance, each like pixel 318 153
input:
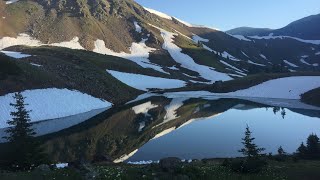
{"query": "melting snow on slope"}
pixel 197 38
pixel 50 104
pixel 137 26
pixel 290 64
pixel 11 1
pixel 270 36
pixel 73 44
pixel 318 53
pixel 144 108
pixel 263 56
pixel 283 88
pixel 17 55
pixel 160 14
pixel 139 53
pixel 226 55
pixel 186 61
pixel 240 37
pixel 305 62
pixel 25 39
pixel 125 157
pixel 172 108
pixel 257 64
pixel 229 65
pixel 144 82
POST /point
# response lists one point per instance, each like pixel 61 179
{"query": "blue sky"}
pixel 228 14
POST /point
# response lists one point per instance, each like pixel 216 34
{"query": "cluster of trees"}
pixel 23 150
pixel 311 150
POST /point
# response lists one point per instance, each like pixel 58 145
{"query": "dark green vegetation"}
pixel 23 151
pixel 65 68
pixel 312 97
pixel 209 169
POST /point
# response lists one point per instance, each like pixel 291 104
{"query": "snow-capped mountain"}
pixel 120 47
pixel 305 28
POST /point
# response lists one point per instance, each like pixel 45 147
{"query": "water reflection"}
pixel 183 127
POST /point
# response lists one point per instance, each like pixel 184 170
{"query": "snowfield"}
pixel 25 39
pixel 186 61
pixel 73 44
pixel 144 82
pixel 51 104
pixel 17 55
pixel 282 88
pixel 139 53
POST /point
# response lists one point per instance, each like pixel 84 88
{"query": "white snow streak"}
pixel 17 55
pixel 290 64
pixel 240 37
pixel 186 61
pixel 316 42
pixel 144 108
pixel 137 26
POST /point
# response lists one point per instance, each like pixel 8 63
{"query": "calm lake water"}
pixel 184 127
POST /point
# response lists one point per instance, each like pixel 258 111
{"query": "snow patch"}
pixel 257 64
pixel 144 82
pixel 226 55
pixel 62 165
pixel 144 108
pixel 172 108
pixel 197 39
pixel 270 36
pixel 11 1
pixel 51 104
pixel 139 53
pixel 240 37
pixel 305 62
pixel 229 65
pixel 186 61
pixel 290 64
pixel 73 44
pixel 160 14
pixel 137 26
pixel 317 54
pixel 37 65
pixel 263 56
pixel 14 54
pixel 125 157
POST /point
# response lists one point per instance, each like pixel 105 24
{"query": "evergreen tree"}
pixel 250 148
pixel 302 150
pixel 281 151
pixel 313 149
pixel 25 152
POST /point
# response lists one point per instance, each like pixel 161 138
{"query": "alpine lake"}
pixel 178 126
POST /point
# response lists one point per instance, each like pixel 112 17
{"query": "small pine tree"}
pixel 313 149
pixel 281 151
pixel 250 148
pixel 302 150
pixel 25 152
